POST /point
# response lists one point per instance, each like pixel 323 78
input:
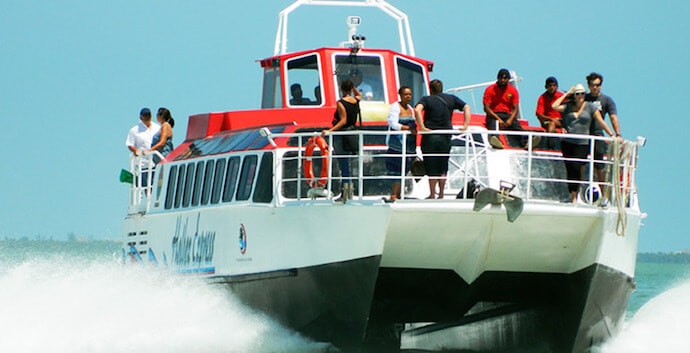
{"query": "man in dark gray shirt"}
pixel 606 106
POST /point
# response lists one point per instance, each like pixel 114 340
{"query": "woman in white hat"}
pixel 577 115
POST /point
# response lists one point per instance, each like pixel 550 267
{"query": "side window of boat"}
pixel 189 182
pixel 208 182
pixel 198 178
pixel 303 81
pixel 180 185
pixel 170 193
pixel 231 178
pixel 218 179
pixel 272 96
pixel 244 189
pixel 263 192
pixel 411 74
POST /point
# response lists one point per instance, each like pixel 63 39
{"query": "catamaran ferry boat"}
pixel 251 200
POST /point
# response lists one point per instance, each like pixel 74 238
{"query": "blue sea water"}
pixel 76 297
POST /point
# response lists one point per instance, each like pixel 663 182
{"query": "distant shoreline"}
pixel 660 257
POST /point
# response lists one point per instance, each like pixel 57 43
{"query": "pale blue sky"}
pixel 74 74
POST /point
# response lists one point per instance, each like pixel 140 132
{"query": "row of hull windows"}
pixel 250 178
pixel 220 180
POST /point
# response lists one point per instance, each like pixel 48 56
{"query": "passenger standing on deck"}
pixel 605 105
pixel 345 116
pixel 162 140
pixel 578 115
pixel 400 118
pixel 501 104
pixel 438 111
pixel 140 136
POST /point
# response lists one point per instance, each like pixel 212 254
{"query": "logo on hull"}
pixel 243 239
pixel 192 249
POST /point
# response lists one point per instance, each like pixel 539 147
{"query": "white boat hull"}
pixel 558 277
pixel 311 266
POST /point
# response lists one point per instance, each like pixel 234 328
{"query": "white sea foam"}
pixel 661 325
pixel 78 307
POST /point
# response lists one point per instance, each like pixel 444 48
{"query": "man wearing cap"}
pixel 501 102
pixel 605 105
pixel 140 136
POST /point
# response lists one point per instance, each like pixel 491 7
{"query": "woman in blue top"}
pixel 162 140
pixel 400 118
pixel 577 116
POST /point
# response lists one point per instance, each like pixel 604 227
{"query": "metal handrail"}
pixel 477 150
pixel 142 168
pixel 474 159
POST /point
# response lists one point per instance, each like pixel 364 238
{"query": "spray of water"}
pixel 60 305
pixel 661 325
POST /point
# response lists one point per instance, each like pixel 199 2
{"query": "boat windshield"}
pixel 303 81
pixel 365 73
pixel 411 74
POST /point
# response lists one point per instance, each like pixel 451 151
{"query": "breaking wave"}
pixel 62 305
pixel 661 325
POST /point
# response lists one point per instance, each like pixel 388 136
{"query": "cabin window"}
pixel 170 193
pixel 208 182
pixel 198 178
pixel 263 192
pixel 411 74
pixel 244 188
pixel 303 81
pixel 159 183
pixel 218 179
pixel 365 73
pixel 231 178
pixel 180 185
pixel 188 184
pixel 272 96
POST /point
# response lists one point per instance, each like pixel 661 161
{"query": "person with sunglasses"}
pixel 577 117
pixel 606 106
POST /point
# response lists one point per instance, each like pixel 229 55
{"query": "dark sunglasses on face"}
pixel 579 93
pixel 595 84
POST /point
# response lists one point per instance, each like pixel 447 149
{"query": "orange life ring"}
pixel 316 141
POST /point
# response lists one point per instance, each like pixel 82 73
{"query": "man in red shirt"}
pixel 501 105
pixel 549 118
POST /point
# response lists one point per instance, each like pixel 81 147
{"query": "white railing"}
pixel 525 168
pixel 142 168
pixel 538 174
